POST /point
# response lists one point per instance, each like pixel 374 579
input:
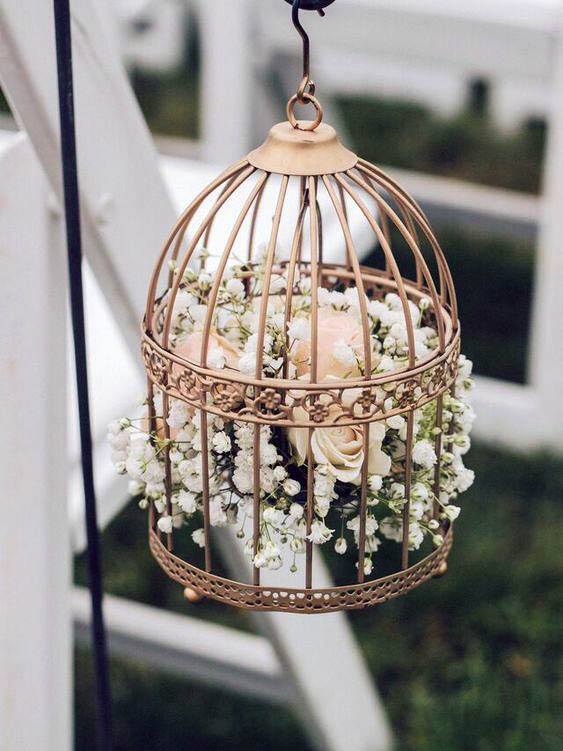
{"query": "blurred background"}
pixel 463 102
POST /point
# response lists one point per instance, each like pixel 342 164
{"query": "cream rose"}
pixel 341 448
pixel 333 328
pixel 190 348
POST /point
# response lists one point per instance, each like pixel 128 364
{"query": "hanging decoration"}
pixel 303 400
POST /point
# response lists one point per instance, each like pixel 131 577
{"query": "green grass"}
pixel 470 662
pixel 160 712
pixel 467 146
pixel 473 661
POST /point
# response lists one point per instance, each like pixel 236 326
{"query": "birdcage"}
pixel 260 321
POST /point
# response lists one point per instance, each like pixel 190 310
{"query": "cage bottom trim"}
pixel 287 599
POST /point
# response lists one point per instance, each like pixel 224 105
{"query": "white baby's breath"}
pixel 280 499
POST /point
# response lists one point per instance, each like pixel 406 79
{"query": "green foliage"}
pixel 469 662
pixel 493 277
pixel 170 101
pixel 173 114
pixel 467 146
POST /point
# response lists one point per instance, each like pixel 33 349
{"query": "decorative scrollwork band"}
pixel 314 405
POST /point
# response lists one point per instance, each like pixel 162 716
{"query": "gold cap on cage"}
pixel 300 151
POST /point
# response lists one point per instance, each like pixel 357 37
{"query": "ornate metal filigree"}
pixel 301 600
pixel 350 185
pixel 303 407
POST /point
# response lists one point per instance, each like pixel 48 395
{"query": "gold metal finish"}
pixel 306 125
pixel 192 595
pixel 303 152
pixel 302 600
pixel 307 175
pixel 442 570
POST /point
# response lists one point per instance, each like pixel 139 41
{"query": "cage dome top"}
pixel 312 202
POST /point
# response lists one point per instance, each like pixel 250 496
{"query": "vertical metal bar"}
pixel 309 509
pixel 223 198
pixel 408 475
pixel 367 350
pixel 438 450
pixel 259 362
pixel 412 242
pixel 167 467
pixel 206 236
pixel 177 235
pixel 396 274
pixel 255 195
pixel 256 502
pixel 363 505
pixel 314 240
pixel 255 213
pixel 303 199
pixel 153 427
pixel 295 248
pixel 320 239
pixel 385 208
pixel 446 440
pixel 382 221
pixel 205 485
pixel 74 249
pixel 358 279
pixel 407 218
pixel 387 235
pixel 345 214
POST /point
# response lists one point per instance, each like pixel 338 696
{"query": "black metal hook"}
pixel 298 5
pixel 303 34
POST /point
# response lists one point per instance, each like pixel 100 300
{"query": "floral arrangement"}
pixel 338 451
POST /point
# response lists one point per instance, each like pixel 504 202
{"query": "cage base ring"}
pixel 300 600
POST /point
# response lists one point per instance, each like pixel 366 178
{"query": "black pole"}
pixel 74 249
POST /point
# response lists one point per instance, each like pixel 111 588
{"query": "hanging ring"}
pixel 306 98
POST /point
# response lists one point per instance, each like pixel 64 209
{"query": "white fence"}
pixel 127 210
pixel 514 44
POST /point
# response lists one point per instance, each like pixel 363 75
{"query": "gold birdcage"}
pixel 302 190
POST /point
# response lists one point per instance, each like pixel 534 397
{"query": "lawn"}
pixel 470 662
